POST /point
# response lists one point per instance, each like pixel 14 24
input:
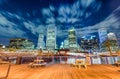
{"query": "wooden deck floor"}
pixel 60 71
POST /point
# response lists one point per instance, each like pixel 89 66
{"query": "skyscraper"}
pixel 113 41
pixel 51 38
pixel 102 35
pixel 111 36
pixel 102 38
pixel 89 42
pixel 72 39
pixel 62 45
pixel 66 43
pixel 41 43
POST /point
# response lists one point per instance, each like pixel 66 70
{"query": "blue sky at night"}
pixel 28 18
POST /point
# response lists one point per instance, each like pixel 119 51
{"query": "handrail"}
pixel 15 54
pixel 8 70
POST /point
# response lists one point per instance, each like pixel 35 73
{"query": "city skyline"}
pixel 26 19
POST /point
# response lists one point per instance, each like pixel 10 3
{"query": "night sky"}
pixel 28 18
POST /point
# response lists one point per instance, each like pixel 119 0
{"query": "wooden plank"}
pixel 62 71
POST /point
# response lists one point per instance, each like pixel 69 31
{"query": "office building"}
pixel 102 38
pixel 102 35
pixel 21 43
pixel 112 42
pixel 51 38
pixel 41 43
pixel 72 39
pixel 89 42
pixel 66 44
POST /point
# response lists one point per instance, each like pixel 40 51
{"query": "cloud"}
pixel 19 28
pixel 111 23
pixel 4 21
pixel 12 15
pixel 41 29
pixel 9 28
pixel 10 32
pixel 33 28
pixel 50 20
pixel 52 8
pixel 14 25
pixel 2 1
pixel 8 25
pixel 62 33
pixel 86 3
pixel 47 12
pixel 70 13
pixel 79 9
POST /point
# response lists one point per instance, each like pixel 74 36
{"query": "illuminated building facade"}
pixel 112 39
pixel 41 43
pixel 66 43
pixel 62 45
pixel 111 36
pixel 21 43
pixel 72 39
pixel 2 46
pixel 102 35
pixel 27 44
pixel 51 38
pixel 89 42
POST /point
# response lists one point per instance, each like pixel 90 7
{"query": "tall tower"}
pixel 102 35
pixel 89 42
pixel 102 38
pixel 51 38
pixel 72 39
pixel 111 36
pixel 113 41
pixel 66 43
pixel 41 43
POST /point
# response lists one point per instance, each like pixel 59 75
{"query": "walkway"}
pixel 60 71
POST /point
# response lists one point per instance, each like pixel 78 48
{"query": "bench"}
pixel 117 63
pixel 80 64
pixel 37 63
pixel 40 65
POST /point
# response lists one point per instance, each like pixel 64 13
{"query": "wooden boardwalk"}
pixel 60 71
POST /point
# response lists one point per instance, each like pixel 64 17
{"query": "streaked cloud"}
pixel 33 28
pixel 72 13
pixel 21 24
pixel 111 23
pixel 47 13
pixel 8 28
pixel 4 21
pixel 50 20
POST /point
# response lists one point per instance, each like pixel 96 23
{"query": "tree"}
pixel 108 45
pixel 118 52
pixel 40 52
